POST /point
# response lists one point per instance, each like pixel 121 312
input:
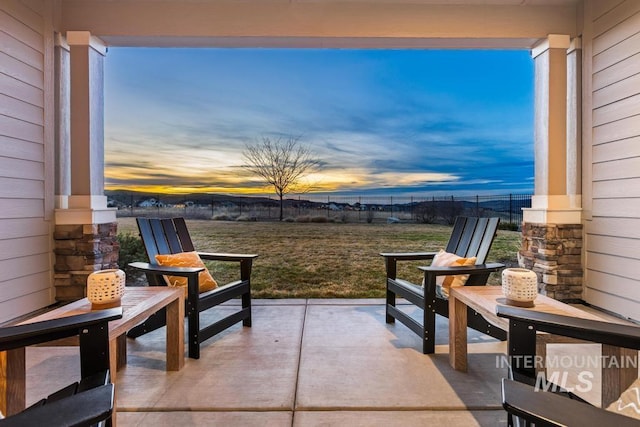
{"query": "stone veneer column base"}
pixel 554 251
pixel 80 250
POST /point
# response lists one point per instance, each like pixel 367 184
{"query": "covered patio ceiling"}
pixel 474 24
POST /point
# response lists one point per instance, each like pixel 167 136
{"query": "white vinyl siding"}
pixel 25 232
pixel 612 239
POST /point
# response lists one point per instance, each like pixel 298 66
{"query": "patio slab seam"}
pixel 446 408
pixel 149 410
pixel 300 347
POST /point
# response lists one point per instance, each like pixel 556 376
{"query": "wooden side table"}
pixel 138 303
pixel 485 299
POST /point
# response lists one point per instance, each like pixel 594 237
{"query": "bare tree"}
pixel 281 163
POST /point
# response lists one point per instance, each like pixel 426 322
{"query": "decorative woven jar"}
pixel 520 286
pixel 105 288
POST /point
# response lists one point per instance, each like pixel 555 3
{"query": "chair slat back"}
pixel 159 237
pixel 146 234
pixel 472 237
pixel 490 231
pixel 164 236
pixel 171 236
pixel 477 237
pixel 470 227
pixel 183 234
pixel 456 235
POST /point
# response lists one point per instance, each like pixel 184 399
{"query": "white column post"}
pixel 87 203
pixel 553 201
pixel 62 123
pixel 574 122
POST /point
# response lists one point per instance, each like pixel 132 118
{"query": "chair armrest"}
pixel 48 330
pixel 82 409
pixel 463 269
pixel 614 334
pixel 409 256
pixel 550 409
pixel 162 270
pixel 210 256
pixel 191 273
pixel 391 260
pixel 245 261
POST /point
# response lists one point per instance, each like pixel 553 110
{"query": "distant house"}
pixel 152 203
pixel 149 203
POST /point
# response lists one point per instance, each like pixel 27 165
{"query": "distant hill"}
pixel 126 197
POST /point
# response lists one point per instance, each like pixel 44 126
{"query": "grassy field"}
pixel 324 260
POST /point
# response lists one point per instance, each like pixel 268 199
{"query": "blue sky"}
pixel 383 122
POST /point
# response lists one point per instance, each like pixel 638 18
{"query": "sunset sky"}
pixel 383 122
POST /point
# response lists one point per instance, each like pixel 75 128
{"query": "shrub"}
pixel 247 218
pixel 511 226
pixel 427 212
pixel 370 215
pixel 304 218
pixel 319 219
pixel 131 250
pixel 222 217
pixel 199 214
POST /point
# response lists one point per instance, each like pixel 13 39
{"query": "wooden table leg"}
pixel 121 355
pixel 457 334
pixel 113 371
pixel 541 352
pixel 619 370
pixel 175 335
pixel 113 358
pixel 12 381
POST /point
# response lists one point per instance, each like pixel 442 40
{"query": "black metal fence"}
pixel 436 209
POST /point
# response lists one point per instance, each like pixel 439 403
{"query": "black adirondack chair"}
pixel 85 403
pixel 471 237
pixel 528 406
pixel 171 236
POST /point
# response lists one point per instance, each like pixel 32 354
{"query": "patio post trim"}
pixel 86 202
pixel 557 197
pixel 61 122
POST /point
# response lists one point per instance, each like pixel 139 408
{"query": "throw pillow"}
pixel 629 402
pixel 186 259
pixel 446 259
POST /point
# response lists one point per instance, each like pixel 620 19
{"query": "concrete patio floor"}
pixel 303 363
pixel 307 363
